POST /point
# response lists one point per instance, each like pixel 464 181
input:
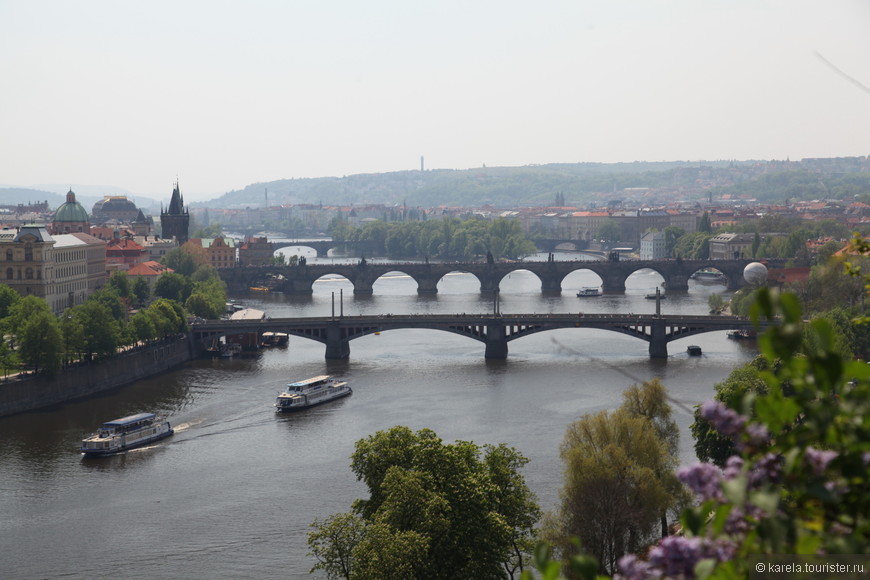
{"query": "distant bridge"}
pixel 300 279
pixel 495 331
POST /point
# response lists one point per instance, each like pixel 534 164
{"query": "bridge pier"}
pixel 427 285
pixel 551 284
pixel 496 341
pixel 337 346
pixel 658 344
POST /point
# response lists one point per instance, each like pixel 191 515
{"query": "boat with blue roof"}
pixel 310 392
pixel 126 433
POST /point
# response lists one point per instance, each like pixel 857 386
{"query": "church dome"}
pixel 71 211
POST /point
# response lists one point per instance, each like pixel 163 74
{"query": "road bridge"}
pixel 494 330
pixel 363 275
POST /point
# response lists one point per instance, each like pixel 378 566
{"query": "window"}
pixel 9 274
pixel 28 274
pixel 28 252
pixel 8 255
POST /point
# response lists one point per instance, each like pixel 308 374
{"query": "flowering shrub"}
pixel 798 483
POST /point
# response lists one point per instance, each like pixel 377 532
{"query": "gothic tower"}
pixel 175 221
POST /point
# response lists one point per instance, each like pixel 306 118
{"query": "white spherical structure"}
pixel 755 274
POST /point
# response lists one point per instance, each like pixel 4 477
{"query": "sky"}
pixel 222 94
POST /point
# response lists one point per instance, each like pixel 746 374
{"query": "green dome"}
pixel 71 211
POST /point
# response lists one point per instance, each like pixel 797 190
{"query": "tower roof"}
pixel 71 210
pixel 176 204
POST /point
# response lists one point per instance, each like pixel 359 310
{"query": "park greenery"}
pixel 122 314
pixel 448 238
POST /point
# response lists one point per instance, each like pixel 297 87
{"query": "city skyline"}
pixel 219 96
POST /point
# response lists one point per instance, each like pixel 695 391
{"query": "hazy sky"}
pixel 223 94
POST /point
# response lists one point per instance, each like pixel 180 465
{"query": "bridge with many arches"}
pixel 300 279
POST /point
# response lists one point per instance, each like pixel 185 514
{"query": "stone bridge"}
pixel 495 331
pixel 300 279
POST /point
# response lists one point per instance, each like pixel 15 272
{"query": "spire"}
pixel 176 204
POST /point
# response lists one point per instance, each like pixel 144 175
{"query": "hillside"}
pixel 497 186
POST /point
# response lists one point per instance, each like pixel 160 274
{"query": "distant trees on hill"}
pixel 448 238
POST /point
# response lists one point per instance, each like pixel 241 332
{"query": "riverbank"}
pixel 28 392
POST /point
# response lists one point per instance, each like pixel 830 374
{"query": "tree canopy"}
pixel 434 510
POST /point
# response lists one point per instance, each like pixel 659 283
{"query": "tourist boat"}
pixel 741 334
pixel 693 350
pixel 274 338
pixel 311 392
pixel 654 296
pixel 126 433
pixel 709 277
pixel 589 291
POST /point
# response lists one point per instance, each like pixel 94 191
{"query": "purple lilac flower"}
pixel 720 550
pixel 819 459
pixel 757 435
pixel 676 556
pixel 703 479
pixel 733 467
pixel 768 468
pixel 726 421
pixel 633 568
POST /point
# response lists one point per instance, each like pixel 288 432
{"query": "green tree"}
pixel 8 298
pixel 8 358
pixel 40 343
pixel 332 542
pixel 173 286
pixel 141 292
pixel 141 328
pixel 434 510
pixel 715 303
pixel 613 495
pixel 705 226
pixel 181 261
pixel 693 246
pixel 73 335
pixel 756 244
pixel 120 283
pixel 24 310
pixel 609 231
pixel 102 333
pixel 672 236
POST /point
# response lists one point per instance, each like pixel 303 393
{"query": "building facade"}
pixel 63 269
pixel 653 246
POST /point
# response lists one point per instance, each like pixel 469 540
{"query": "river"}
pixel 232 494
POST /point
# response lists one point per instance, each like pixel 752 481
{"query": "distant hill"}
pixel 497 186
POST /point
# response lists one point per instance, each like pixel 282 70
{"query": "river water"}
pixel 232 494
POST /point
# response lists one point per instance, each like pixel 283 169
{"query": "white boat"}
pixel 126 433
pixel 311 392
pixel 588 292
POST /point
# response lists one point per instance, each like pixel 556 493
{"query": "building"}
pixel 731 246
pixel 255 252
pixel 123 252
pixel 175 221
pixel 156 247
pixel 114 208
pixel 653 246
pixel 63 269
pixel 151 271
pixel 221 252
pixel 70 217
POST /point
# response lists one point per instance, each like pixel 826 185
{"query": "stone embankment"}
pixel 27 393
